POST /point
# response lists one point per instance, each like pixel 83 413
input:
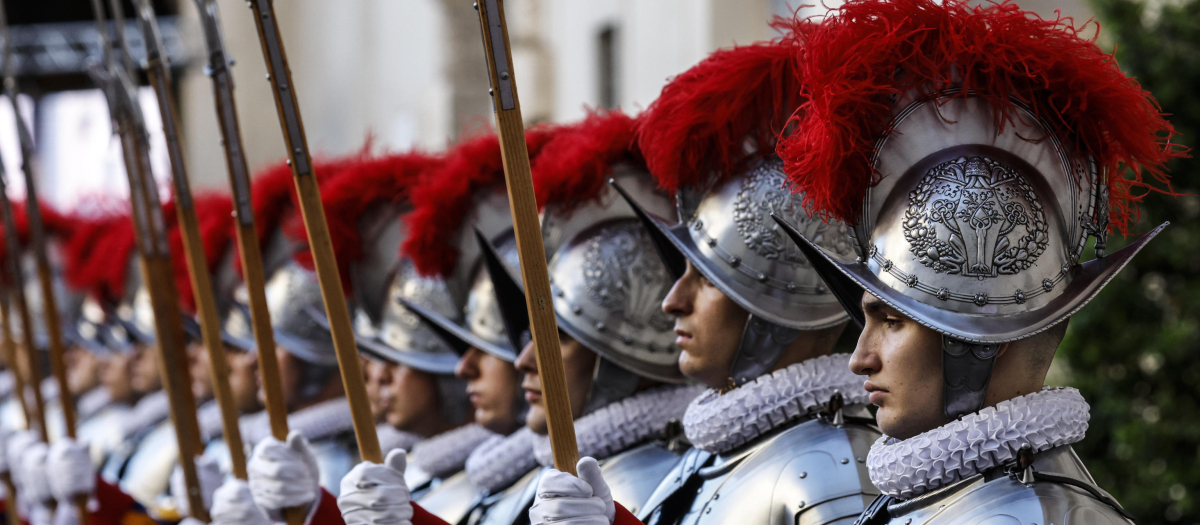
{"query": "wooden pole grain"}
pixel 527 230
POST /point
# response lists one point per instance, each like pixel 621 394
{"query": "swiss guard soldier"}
pixel 608 281
pixel 754 321
pixel 984 146
pixel 424 405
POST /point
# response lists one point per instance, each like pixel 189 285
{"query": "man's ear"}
pixel 1003 350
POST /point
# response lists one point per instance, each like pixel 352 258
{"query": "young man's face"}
pixel 411 395
pixel 492 386
pixel 83 369
pixel 200 370
pixel 902 361
pixel 114 375
pixel 373 372
pixel 243 379
pixel 580 365
pixel 144 375
pixel 708 328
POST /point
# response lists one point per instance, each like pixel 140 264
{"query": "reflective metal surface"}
pixel 633 475
pixel 998 498
pixel 510 506
pixel 810 473
pixel 451 500
pixel 294 299
pixel 402 336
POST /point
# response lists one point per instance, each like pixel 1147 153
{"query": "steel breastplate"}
pixel 633 475
pixel 147 474
pixel 511 506
pixel 103 431
pixel 452 499
pixel 809 473
pixel 994 497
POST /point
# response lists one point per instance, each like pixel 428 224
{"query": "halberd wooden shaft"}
pixel 17 293
pixel 527 230
pixel 246 233
pixel 159 74
pixel 11 357
pixel 319 242
pixel 37 240
pixel 154 259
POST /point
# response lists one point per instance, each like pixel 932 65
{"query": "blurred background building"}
pixel 411 74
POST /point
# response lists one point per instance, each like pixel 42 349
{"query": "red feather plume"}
pixel 444 198
pixel 573 167
pixel 214 214
pixel 358 187
pixel 97 255
pixel 849 62
pixel 723 113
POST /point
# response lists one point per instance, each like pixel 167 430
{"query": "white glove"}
pixel 70 468
pixel 35 484
pixel 284 475
pixel 374 493
pixel 208 470
pixel 15 449
pixel 234 505
pixel 563 498
pixel 190 521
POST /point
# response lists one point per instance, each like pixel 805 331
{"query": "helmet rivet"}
pixel 791 287
pixel 558 292
pixel 981 299
pixel 735 261
pixel 874 251
pixel 912 280
pixel 576 310
pixel 1019 297
pixel 943 294
pixel 762 277
pixel 821 288
pixel 600 326
pixel 1047 285
pixel 710 241
pixel 858 260
pixel 698 225
pixel 887 265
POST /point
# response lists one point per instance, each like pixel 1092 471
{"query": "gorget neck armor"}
pixel 209 418
pixel 977 442
pixel 501 460
pixel 624 424
pixel 391 438
pixel 149 410
pixel 719 423
pixel 446 453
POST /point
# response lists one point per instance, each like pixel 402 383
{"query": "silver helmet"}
pixel 609 281
pixel 384 328
pixel 297 315
pixel 727 233
pixel 975 231
pixel 487 317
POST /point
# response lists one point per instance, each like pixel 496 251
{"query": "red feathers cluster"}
pixel 443 199
pixel 355 189
pixel 214 213
pixel 870 50
pixel 573 167
pixel 722 114
pixel 98 254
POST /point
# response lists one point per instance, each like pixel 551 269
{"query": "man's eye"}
pixel 892 322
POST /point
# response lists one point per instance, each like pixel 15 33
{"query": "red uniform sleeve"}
pixel 624 517
pixel 327 512
pixel 424 517
pixel 116 508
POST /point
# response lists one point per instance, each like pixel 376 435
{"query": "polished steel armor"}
pixel 294 299
pixel 997 497
pixel 810 473
pixel 728 235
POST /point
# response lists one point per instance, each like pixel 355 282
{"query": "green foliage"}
pixel 1134 351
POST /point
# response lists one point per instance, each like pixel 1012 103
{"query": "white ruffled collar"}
pixel 320 421
pixel 623 424
pixel 977 442
pixel 391 438
pixel 500 461
pixel 446 453
pixel 150 410
pixel 719 423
